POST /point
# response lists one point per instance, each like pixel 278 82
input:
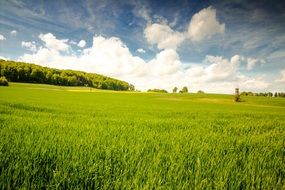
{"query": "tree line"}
pixel 266 94
pixel 174 90
pixel 24 72
pixel 157 90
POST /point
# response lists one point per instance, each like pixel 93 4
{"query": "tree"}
pixel 237 96
pixel 72 81
pixel 184 90
pixel 131 87
pixel 200 92
pixel 48 77
pixel 55 79
pixel 37 75
pixel 175 89
pixel 275 95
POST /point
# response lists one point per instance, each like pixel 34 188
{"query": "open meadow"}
pixel 55 137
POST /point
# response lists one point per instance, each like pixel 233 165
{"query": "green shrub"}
pixel 3 81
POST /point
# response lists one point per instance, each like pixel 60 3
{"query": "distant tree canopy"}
pixel 280 94
pixel 200 92
pixel 31 73
pixel 184 90
pixel 157 90
pixel 247 94
pixel 266 94
pixel 175 89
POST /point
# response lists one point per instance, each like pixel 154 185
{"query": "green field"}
pixel 72 138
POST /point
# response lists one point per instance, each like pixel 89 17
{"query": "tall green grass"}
pixel 54 138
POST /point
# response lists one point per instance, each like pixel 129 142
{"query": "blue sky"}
pixel 209 45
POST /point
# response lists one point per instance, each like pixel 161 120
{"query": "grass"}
pixel 70 138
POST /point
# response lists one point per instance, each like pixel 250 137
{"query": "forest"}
pixel 24 72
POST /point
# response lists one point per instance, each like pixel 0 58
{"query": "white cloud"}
pixel 30 45
pixel 217 68
pixel 13 33
pixel 72 42
pixel 221 68
pixel 163 36
pixel 106 56
pixel 111 57
pixel 204 24
pixel 82 43
pixel 2 37
pixel 281 78
pixel 140 50
pixel 4 58
pixel 257 83
pixel 52 42
pixel 51 58
pixel 142 12
pixel 219 74
pixel 252 62
pixel 165 63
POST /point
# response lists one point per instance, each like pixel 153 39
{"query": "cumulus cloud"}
pixel 201 81
pixel 51 58
pixel 221 68
pixel 204 24
pixel 163 36
pixel 52 42
pixel 251 62
pixel 2 37
pixel 13 33
pixel 217 68
pixel 253 83
pixel 81 43
pixel 140 50
pixel 30 45
pixel 111 57
pixel 281 78
pixel 165 63
pixel 219 74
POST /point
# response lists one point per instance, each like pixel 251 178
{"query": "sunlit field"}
pixel 55 137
